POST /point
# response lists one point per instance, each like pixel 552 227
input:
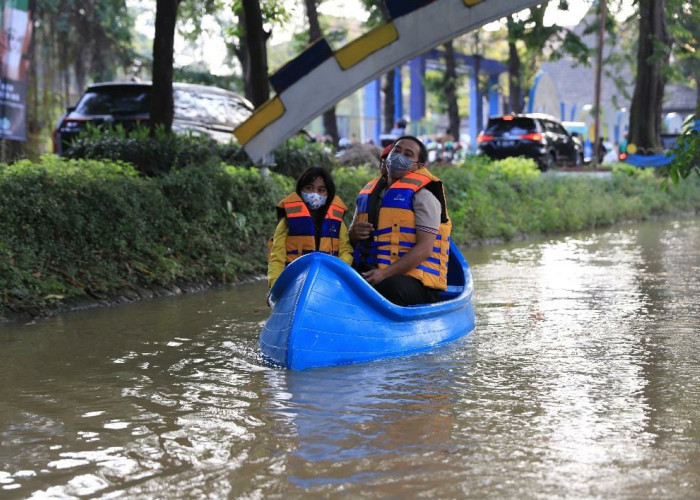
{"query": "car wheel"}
pixel 579 159
pixel 547 163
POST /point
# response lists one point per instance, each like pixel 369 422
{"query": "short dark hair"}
pixel 309 175
pixel 423 155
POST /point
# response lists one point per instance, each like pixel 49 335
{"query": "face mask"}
pixel 396 163
pixel 313 200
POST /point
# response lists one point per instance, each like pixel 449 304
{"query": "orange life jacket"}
pixel 301 238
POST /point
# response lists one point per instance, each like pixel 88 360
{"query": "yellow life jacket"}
pixel 301 238
pixel 395 232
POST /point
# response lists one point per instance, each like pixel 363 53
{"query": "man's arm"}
pixel 420 251
pixel 427 209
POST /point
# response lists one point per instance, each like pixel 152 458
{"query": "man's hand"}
pixel 360 231
pixel 375 276
pixel 421 251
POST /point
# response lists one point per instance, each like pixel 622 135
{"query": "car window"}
pixel 516 126
pixel 550 126
pixel 114 101
pixel 200 106
pixel 239 110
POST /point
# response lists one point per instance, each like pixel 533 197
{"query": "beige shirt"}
pixel 427 209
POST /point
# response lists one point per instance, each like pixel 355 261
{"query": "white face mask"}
pixel 313 200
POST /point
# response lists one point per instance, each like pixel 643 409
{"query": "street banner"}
pixel 15 36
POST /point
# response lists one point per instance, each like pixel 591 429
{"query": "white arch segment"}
pixel 328 83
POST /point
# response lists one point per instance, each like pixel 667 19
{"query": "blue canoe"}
pixel 324 314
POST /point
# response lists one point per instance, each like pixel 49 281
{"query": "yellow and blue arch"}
pixel 319 77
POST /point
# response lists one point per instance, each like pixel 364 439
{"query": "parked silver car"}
pixel 198 109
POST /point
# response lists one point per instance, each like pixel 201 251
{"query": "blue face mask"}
pixel 396 164
pixel 313 200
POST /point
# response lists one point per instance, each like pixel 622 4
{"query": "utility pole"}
pixel 599 67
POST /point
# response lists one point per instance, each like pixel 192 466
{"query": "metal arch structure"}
pixel 319 77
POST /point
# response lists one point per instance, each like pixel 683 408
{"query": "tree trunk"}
pixel 330 123
pixel 65 80
pixel 388 88
pixel 645 110
pixel 451 91
pixel 163 45
pixel 389 100
pixel 257 53
pixel 242 55
pixel 514 89
pixel 477 94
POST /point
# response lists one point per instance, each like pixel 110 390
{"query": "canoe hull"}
pixel 326 314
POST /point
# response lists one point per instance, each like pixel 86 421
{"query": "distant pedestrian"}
pixel 601 150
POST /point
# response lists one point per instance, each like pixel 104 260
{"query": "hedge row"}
pixel 85 230
pixel 72 230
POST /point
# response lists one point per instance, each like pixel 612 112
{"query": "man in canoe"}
pixel 401 228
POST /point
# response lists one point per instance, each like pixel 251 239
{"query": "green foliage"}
pixel 151 153
pixel 75 230
pixel 76 42
pixel 487 202
pixel 434 83
pixel 69 228
pixel 195 74
pixel 155 154
pixel 349 181
pixel 686 153
pixel 515 168
pixel 626 170
pixel 298 153
pixel 85 230
pixel 684 27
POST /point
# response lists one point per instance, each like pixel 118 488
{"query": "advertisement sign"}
pixel 15 36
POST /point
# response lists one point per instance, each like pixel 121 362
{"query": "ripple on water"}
pixel 579 381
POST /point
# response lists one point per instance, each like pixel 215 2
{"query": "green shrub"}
pixel 75 229
pixel 515 168
pixel 86 229
pixel 67 225
pixel 686 153
pixel 625 169
pixel 157 153
pixel 486 203
pixel 151 154
pixel 298 153
pixel 349 181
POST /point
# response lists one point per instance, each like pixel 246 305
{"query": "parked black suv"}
pixel 537 136
pixel 199 109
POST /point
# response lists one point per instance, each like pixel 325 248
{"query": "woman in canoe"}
pixel 310 220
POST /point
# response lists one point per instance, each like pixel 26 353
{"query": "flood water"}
pixel 582 380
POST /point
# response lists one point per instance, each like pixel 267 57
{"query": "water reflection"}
pixel 340 423
pixel 112 411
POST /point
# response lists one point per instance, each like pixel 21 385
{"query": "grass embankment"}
pixel 76 232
